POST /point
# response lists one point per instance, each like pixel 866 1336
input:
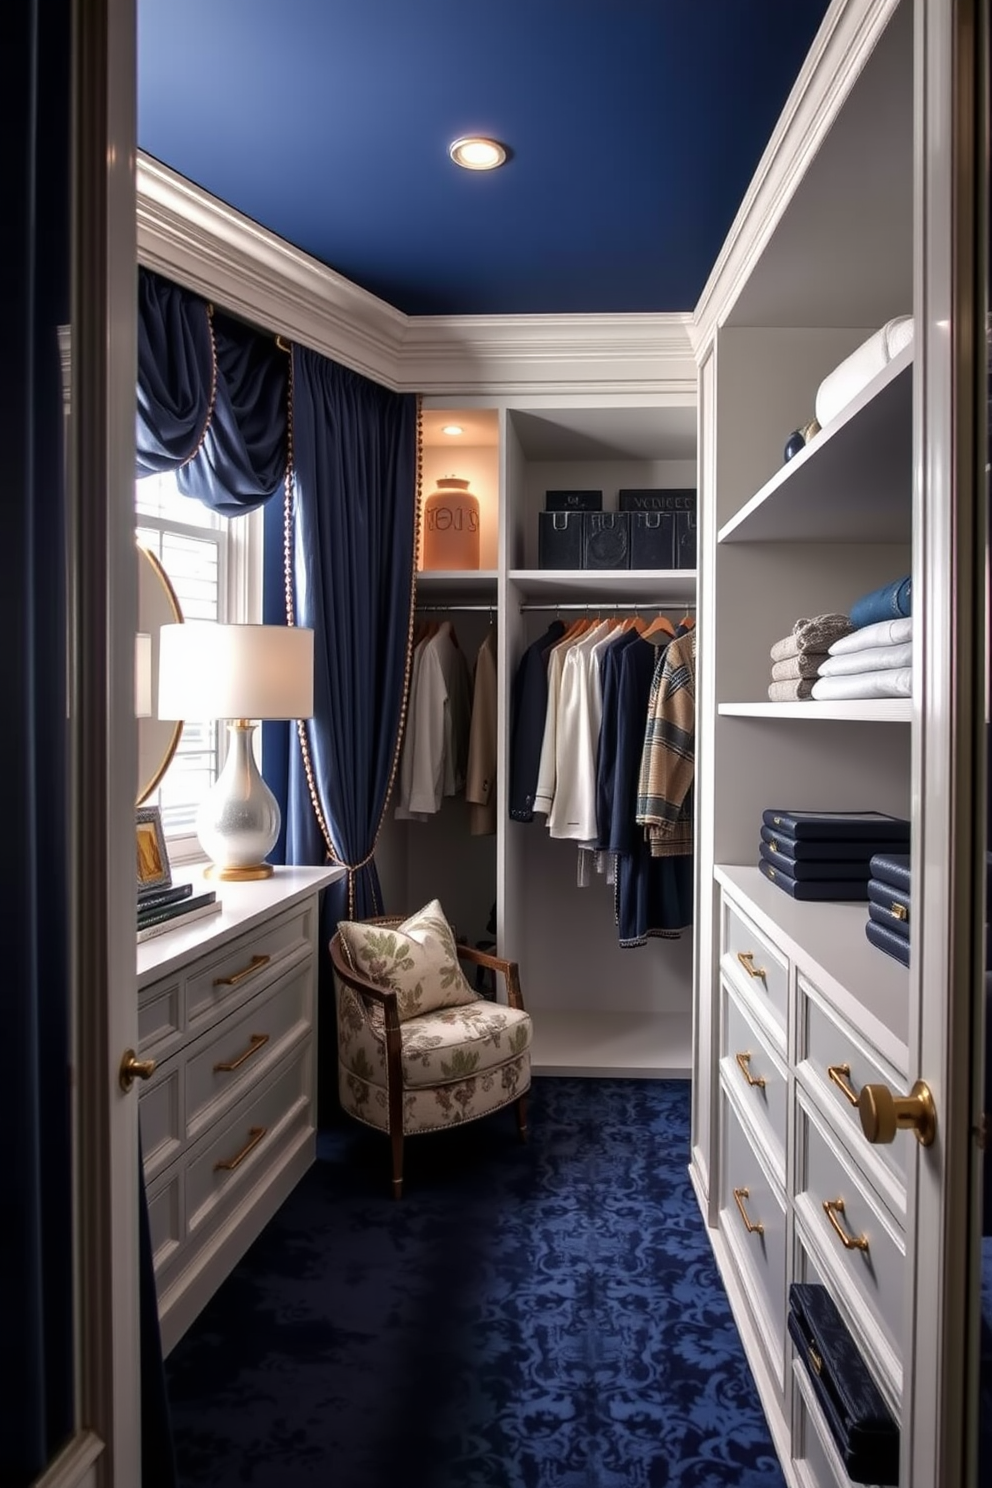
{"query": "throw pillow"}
pixel 417 959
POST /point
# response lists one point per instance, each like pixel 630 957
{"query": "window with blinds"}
pixel 208 559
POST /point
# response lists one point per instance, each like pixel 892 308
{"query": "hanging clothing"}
pixel 664 795
pixel 528 709
pixel 437 724
pixel 544 795
pixel 480 775
pixel 573 807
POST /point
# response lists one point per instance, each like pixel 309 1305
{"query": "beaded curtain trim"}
pixel 211 405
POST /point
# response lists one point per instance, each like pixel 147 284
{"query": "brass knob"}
pixel 132 1068
pixel 883 1114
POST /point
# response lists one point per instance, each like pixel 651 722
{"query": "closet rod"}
pixel 435 609
pixel 624 604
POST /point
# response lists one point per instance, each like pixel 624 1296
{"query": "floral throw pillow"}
pixel 417 959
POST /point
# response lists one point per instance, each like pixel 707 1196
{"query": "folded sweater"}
pixel 811 633
pixel 882 633
pixel 805 665
pixel 894 682
pixel 796 691
pixel 873 659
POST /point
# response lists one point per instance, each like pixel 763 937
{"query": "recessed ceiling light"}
pixel 452 429
pixel 476 153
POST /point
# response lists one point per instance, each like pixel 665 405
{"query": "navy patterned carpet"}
pixel 547 1316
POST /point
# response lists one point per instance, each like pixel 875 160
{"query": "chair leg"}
pixel 522 1117
pixel 396 1139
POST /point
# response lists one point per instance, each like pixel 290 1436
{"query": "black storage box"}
pixel 573 501
pixel 605 540
pixel 685 539
pixel 559 539
pixel 658 499
pixel 652 539
pixel 860 1422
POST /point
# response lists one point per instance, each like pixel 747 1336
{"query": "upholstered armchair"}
pixel 418 1049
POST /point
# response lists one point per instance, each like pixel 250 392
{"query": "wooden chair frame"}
pixel 387 999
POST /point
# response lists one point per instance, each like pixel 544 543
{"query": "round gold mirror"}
pixel 158 738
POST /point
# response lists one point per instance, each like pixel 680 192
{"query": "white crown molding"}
pixel 842 45
pixel 197 240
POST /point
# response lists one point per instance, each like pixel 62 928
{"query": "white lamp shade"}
pixel 235 671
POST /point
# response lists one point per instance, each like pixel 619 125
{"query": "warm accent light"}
pixel 477 153
pixel 452 429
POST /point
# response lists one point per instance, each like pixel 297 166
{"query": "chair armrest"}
pixel 509 970
pixel 386 996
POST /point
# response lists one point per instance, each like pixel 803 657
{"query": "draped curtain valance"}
pixel 212 400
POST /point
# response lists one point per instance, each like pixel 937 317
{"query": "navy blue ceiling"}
pixel 634 127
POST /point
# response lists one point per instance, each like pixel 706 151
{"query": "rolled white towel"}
pixel 894 682
pixel 883 633
pixel 872 659
pixel 855 372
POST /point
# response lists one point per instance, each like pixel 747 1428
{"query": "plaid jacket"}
pixel 664 793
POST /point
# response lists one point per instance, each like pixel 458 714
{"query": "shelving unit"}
pixel 853 710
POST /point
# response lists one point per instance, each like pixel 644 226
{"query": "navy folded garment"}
pixel 892 869
pixel 842 890
pixel 814 847
pixel 896 901
pixel 883 916
pixel 887 603
pixel 888 941
pixel 871 827
pixel 816 868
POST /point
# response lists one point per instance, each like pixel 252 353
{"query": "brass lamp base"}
pixel 239 875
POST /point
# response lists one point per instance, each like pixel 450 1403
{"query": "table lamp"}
pixel 241 673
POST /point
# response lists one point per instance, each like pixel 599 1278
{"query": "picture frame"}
pixel 153 868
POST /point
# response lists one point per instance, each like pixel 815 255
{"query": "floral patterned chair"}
pixel 418 1049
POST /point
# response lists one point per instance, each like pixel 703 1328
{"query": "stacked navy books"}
pixel 888 904
pixel 826 854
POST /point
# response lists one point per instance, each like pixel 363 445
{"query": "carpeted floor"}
pixel 547 1316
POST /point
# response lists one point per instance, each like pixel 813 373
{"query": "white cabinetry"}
pixel 227 1009
pixel 795 1010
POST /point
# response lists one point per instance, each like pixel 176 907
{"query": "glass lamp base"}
pixel 238 822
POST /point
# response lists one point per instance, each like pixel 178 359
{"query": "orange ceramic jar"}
pixel 451 526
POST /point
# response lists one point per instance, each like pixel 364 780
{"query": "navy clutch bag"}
pixel 892 868
pixel 860 1422
pixel 895 902
pixel 888 941
pixel 839 826
pixel 801 848
pixel 815 868
pixel 813 888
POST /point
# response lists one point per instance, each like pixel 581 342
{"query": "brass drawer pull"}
pixel 258 1041
pixel 841 1074
pixel 740 1194
pixel 255 964
pixel 746 958
pixel 833 1207
pixel 228 1164
pixel 742 1064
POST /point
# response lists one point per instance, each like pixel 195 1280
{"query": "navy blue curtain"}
pixel 212 400
pixel 36 1246
pixel 353 527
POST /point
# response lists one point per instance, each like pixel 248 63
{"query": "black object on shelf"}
pixel 605 540
pixel 888 941
pixel 652 539
pixel 685 539
pixel 818 869
pixel 839 890
pixel 559 539
pixel 682 499
pixel 839 826
pixel 892 868
pixel 556 501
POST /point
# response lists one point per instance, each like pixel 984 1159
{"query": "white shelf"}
pixel 456 583
pixel 851 710
pixel 828 944
pixel 852 482
pixel 633 1046
pixel 651 585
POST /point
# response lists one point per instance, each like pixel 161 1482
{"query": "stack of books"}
pixel 166 908
pixel 888 905
pixel 826 854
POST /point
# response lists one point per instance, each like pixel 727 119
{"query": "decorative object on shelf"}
pixel 605 540
pixel 154 871
pixel 824 854
pixel 860 1422
pixel 591 501
pixel 452 526
pixel 559 539
pixel 888 924
pixel 241 673
pixel 841 386
pixel 800 438
pixel 678 503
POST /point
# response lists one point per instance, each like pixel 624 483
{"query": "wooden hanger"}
pixel 659 623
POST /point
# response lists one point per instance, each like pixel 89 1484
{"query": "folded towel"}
pixel 855 372
pixel 812 633
pixel 873 659
pixel 882 633
pixel 791 692
pixel 887 603
pixel 894 682
pixel 805 665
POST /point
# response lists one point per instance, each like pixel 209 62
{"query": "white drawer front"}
pixel 750 958
pixel 160 1107
pixel 834 1059
pixel 814 1449
pixel 223 1065
pixel 757 1076
pixel 861 1243
pixel 166 1222
pixel 245 965
pixel 752 1212
pixel 160 1017
pixel 246 1141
